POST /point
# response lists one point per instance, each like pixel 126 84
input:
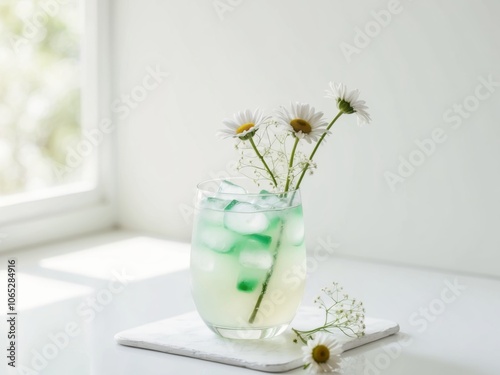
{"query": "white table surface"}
pixel 75 283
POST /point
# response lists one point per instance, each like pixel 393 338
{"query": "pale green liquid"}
pixel 228 269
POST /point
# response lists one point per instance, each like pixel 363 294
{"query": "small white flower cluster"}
pixel 308 164
pixel 343 312
pixel 272 145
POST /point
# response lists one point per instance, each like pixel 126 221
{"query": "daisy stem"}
pixel 306 335
pixel 291 164
pixel 268 277
pixel 263 162
pixel 316 148
pixel 270 272
pixel 299 335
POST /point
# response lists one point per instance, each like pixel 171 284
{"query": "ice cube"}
pixel 271 201
pixel 293 229
pixel 266 200
pixel 275 219
pixel 247 284
pixel 218 238
pixel 249 279
pixel 212 210
pixel 282 203
pixel 227 187
pixel 253 242
pixel 258 240
pixel 229 191
pixel 215 203
pixel 260 259
pixel 244 218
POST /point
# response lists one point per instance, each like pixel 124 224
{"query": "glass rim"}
pixel 240 178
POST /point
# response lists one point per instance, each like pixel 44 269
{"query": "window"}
pixel 40 96
pixel 51 157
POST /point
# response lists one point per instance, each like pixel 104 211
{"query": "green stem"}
pixel 290 165
pixel 275 254
pixel 316 148
pixel 299 335
pixel 268 277
pixel 263 162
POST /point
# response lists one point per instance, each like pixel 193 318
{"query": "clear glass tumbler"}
pixel 248 258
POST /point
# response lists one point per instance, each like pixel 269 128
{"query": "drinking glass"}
pixel 248 258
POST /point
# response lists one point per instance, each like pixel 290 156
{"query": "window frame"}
pixel 71 210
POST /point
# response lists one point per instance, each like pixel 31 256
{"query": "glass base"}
pixel 248 333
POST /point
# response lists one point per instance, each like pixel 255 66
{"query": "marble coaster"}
pixel 187 335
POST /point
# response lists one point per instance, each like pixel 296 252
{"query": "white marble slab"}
pixel 187 335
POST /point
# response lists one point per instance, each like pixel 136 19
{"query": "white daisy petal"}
pixel 248 115
pixel 225 133
pixel 317 118
pixel 230 123
pixel 353 96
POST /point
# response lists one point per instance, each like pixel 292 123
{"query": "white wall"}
pixel 266 53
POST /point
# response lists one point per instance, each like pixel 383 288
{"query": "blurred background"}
pixel 39 94
pixel 418 186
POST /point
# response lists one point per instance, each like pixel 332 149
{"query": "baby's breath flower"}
pixel 341 312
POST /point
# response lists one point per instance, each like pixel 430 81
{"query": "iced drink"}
pixel 241 244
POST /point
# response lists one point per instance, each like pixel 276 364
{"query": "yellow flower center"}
pixel 300 125
pixel 244 127
pixel 320 354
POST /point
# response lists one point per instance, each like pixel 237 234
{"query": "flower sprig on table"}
pixel 264 142
pixel 343 313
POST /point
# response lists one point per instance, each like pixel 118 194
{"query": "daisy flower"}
pixel 322 354
pixel 243 125
pixel 303 121
pixel 348 102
